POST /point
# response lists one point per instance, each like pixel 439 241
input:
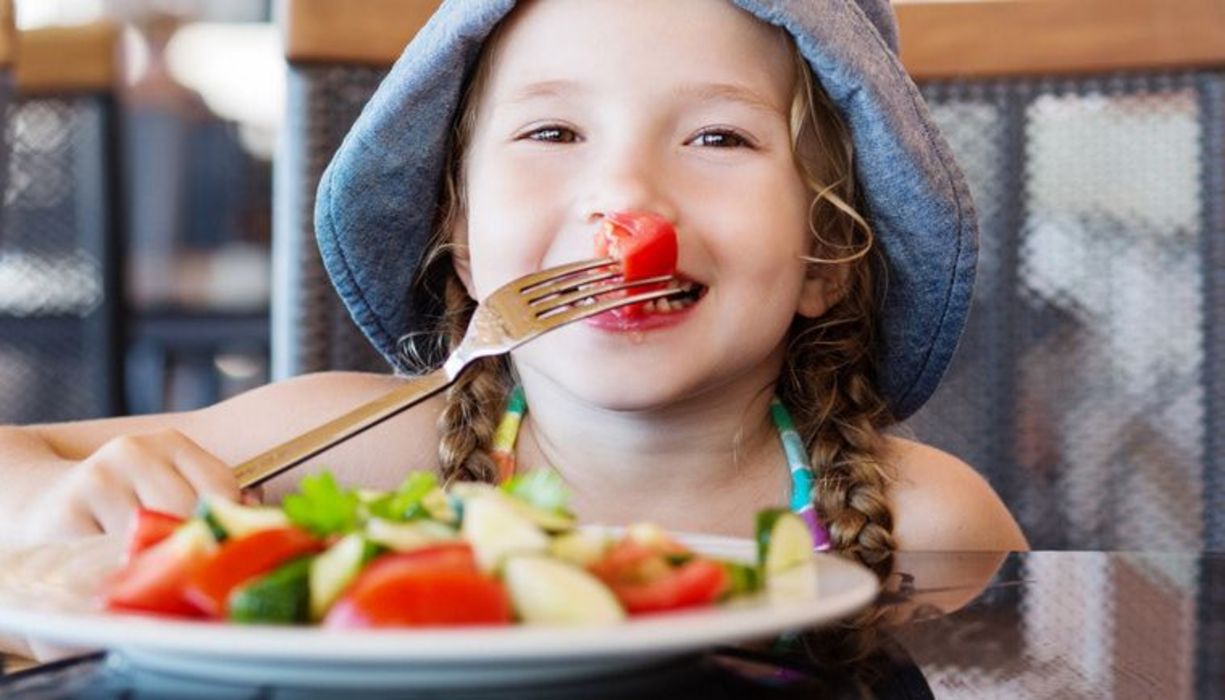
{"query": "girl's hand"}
pixel 163 470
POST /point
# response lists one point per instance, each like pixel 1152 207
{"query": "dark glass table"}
pixel 1033 625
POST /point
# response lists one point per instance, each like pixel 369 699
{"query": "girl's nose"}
pixel 628 183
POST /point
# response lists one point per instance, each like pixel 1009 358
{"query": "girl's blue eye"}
pixel 552 134
pixel 720 138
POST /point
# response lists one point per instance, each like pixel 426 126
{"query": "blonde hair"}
pixel 828 379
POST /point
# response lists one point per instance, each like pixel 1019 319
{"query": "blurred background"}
pixel 184 110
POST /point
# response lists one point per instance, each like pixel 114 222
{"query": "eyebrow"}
pixel 700 91
pixel 730 92
pixel 544 88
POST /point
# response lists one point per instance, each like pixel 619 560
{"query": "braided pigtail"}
pixel 839 415
pixel 828 379
pixel 473 404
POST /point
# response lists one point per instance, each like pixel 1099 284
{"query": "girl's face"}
pixel 681 108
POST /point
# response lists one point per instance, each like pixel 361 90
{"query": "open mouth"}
pixel 653 313
pixel 688 293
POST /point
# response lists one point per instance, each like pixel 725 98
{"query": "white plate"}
pixel 44 595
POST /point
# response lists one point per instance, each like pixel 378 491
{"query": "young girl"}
pixel 824 220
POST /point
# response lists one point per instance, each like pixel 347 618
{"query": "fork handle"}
pixel 290 454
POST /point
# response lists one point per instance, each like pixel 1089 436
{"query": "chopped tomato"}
pixel 156 579
pixel 148 528
pixel 695 583
pixel 241 559
pixel 633 558
pixel 435 586
pixel 646 578
pixel 626 559
pixel 644 244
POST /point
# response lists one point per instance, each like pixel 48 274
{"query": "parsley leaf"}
pixel 322 506
pixel 406 502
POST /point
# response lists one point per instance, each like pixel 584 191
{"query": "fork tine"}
pixel 555 302
pixel 575 313
pixel 570 283
pixel 556 273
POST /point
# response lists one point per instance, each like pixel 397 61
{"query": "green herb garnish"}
pixel 322 506
pixel 406 502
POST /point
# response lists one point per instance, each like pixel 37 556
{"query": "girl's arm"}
pixel 80 478
pixel 941 504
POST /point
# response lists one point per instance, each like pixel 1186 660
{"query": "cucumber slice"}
pixel 333 571
pixel 550 592
pixel 238 520
pixel 281 597
pixel 794 584
pixel 405 537
pixel 205 515
pixel 464 490
pixel 580 547
pixel 495 529
pixel 783 541
pixel 195 535
pixel 438 505
pixel 549 520
pixel 742 579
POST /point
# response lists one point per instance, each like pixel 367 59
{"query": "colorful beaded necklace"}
pixel 802 478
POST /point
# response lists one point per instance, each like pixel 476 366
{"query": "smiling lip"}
pixel 614 322
pixel 636 319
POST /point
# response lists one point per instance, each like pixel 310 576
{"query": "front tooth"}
pixel 664 305
pixel 649 306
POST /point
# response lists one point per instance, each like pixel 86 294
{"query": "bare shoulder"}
pixel 252 422
pixel 940 503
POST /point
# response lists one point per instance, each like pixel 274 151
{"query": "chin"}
pixel 620 391
pixel 617 384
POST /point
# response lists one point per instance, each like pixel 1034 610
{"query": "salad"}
pixel 427 556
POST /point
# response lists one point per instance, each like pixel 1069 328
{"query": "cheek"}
pixel 765 227
pixel 509 225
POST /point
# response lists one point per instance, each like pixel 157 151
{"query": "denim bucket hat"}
pixel 377 199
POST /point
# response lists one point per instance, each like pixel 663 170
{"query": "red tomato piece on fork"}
pixel 644 244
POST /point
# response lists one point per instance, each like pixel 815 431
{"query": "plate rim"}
pixel 636 637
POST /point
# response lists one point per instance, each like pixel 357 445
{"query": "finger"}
pixel 204 471
pixel 111 500
pixel 78 522
pixel 67 521
pixel 160 487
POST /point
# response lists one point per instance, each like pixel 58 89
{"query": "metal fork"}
pixel 514 314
